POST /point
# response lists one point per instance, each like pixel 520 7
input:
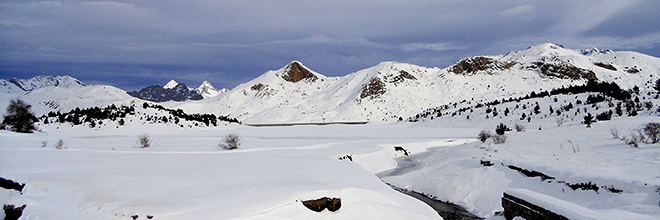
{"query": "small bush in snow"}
pixel 519 128
pixel 60 144
pixel 484 135
pixel 501 128
pixel 652 131
pixel 44 143
pixel 615 132
pixel 499 139
pixel 230 142
pixel 144 141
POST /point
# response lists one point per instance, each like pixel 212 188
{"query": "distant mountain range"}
pixel 385 92
pixel 173 91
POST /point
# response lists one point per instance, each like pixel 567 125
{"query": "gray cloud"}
pixel 131 44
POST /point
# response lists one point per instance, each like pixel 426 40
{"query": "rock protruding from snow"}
pixel 295 72
pixel 17 86
pixel 472 65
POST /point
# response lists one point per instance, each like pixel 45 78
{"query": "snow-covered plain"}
pixel 184 175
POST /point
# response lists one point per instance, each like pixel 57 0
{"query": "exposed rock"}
pixel 258 87
pixel 605 65
pixel 373 89
pixel 403 75
pixel 12 212
pixel 10 184
pixel 296 72
pixel 632 70
pixel 472 65
pixel 564 70
pixel 318 205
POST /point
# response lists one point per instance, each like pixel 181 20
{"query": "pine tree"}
pixel 19 118
pixel 588 120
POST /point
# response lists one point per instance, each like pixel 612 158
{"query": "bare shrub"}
pixel 499 139
pixel 615 132
pixel 652 131
pixel 230 142
pixel 519 128
pixel 60 144
pixel 560 120
pixel 143 141
pixel 484 135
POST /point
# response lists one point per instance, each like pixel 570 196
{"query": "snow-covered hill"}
pixel 62 95
pixel 19 86
pixel 391 90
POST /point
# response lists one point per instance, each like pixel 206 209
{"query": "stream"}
pixel 446 210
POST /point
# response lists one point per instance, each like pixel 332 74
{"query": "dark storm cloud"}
pixel 131 44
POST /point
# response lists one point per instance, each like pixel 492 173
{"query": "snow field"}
pixel 103 175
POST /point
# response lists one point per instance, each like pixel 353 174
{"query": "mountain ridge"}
pixel 393 90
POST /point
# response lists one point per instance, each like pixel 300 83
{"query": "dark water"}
pixel 448 211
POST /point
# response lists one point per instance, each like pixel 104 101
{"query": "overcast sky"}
pixel 133 44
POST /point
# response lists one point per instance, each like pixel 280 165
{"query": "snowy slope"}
pixel 63 99
pixel 391 90
pixel 18 86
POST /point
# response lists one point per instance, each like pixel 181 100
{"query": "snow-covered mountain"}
pixel 207 90
pixel 392 90
pixel 18 86
pixel 388 91
pixel 174 91
pixel 157 93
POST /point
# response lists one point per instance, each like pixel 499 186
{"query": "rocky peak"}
pixel 295 72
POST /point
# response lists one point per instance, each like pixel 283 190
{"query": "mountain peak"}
pixel 207 90
pixel 296 71
pixel 171 84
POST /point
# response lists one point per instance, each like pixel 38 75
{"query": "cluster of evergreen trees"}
pixel 94 116
pixel 207 119
pixel 606 89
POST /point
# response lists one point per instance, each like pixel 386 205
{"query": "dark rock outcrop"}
pixel 10 184
pixel 373 89
pixel 514 206
pixel 157 93
pixel 472 65
pixel 318 205
pixel 564 70
pixel 12 212
pixel 295 72
pixel 605 65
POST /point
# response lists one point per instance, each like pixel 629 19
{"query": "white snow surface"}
pixel 207 90
pixel 171 84
pixel 184 175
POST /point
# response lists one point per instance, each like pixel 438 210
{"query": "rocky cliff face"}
pixel 295 72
